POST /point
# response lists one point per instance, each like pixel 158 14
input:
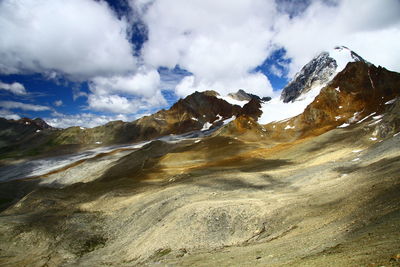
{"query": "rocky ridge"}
pixel 318 72
pixel 198 111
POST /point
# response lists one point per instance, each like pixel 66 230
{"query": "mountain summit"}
pixel 319 71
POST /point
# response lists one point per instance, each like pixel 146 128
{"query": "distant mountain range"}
pixel 346 88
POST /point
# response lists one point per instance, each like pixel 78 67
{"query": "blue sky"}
pixel 86 62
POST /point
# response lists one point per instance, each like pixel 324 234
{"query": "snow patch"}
pixel 344 125
pixel 289 127
pixel 38 131
pixel 193 118
pixel 197 141
pixel 98 143
pixel 338 117
pixel 229 120
pixel 337 89
pixel 206 126
pixel 232 101
pixel 370 115
pixel 342 56
pixel 375 122
pixel 81 128
pixel 373 138
pixel 396 134
pixel 354 118
pixel 357 151
pixel 277 110
pixel 371 81
pixel 390 101
pixel 340 107
pixel 356 159
pixel 377 117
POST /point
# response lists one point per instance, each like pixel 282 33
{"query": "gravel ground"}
pixel 331 200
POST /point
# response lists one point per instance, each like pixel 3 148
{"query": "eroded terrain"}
pixel 330 200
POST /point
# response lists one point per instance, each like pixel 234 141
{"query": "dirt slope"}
pixel 330 200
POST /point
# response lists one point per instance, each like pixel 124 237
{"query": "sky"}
pixel 87 62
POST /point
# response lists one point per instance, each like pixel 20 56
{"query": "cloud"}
pixel 9 115
pixel 275 70
pixel 15 88
pixel 143 83
pixel 84 120
pixel 112 103
pixel 78 38
pixel 58 103
pixel 255 83
pixel 221 42
pixel 370 28
pixel 125 105
pixel 77 93
pixel 23 106
pixel 126 94
pixel 217 41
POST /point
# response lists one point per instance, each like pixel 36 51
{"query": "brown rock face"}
pixel 203 107
pixel 359 90
pixel 356 92
pixel 252 109
pixel 189 114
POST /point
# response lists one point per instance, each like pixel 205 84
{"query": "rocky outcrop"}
pixel 320 69
pixel 13 132
pixel 241 95
pixel 252 109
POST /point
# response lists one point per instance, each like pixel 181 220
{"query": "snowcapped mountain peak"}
pixel 342 56
pixel 307 84
pixel 319 71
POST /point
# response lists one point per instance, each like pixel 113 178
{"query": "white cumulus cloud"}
pixel 143 83
pixel 370 28
pixel 112 103
pixel 257 82
pixel 58 103
pixel 88 120
pixel 219 42
pixel 23 106
pixel 126 93
pixel 78 38
pixel 4 113
pixel 15 88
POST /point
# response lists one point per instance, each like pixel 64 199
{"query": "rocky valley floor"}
pixel 330 200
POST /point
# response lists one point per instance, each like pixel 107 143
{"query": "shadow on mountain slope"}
pixel 233 183
pixel 13 191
